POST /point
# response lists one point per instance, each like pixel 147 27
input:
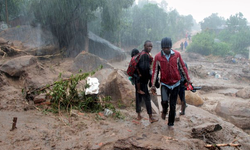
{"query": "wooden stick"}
pixel 47 86
pixel 14 124
pixel 169 138
pixel 222 145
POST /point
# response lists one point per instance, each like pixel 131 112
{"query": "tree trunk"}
pixel 7 15
pixel 86 48
pixel 120 41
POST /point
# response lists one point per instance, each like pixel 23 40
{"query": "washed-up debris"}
pixel 14 124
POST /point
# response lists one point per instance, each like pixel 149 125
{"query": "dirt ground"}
pixel 38 129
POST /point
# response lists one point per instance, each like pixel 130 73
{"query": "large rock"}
pixel 244 93
pixel 88 62
pixel 246 69
pixel 197 71
pixel 31 37
pixel 103 74
pixel 119 88
pixel 31 73
pixel 37 76
pixel 104 48
pixel 237 112
pixel 15 67
pixel 97 46
pixel 194 57
pixel 3 41
pixel 192 98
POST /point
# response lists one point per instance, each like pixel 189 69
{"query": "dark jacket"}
pixel 144 67
pixel 169 69
pixel 182 76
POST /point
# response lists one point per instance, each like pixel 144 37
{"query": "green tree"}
pixel 10 9
pixel 146 21
pixel 178 25
pixel 149 22
pixel 236 23
pixel 66 19
pixel 204 44
pixel 237 34
pixel 212 22
pixel 234 38
pixel 111 18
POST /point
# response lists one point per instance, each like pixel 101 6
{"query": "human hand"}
pixel 153 90
pixel 189 82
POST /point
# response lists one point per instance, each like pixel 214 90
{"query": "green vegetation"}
pixel 119 22
pixel 14 8
pixel 230 39
pixel 204 44
pixel 64 96
pixel 125 23
pixel 66 19
pixel 142 22
pixel 212 22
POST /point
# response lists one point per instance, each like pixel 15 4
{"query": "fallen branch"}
pixel 222 145
pixel 169 138
pixel 45 87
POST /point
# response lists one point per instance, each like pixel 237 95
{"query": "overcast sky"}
pixel 201 9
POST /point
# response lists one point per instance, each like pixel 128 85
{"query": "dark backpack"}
pixel 132 67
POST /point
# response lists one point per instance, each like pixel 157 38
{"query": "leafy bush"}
pixel 221 49
pixel 234 34
pixel 240 41
pixel 203 43
pixel 64 96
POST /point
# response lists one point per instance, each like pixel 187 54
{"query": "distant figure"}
pixel 186 44
pixel 189 37
pixel 181 46
pixel 233 61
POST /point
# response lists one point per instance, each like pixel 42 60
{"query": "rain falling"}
pixel 124 74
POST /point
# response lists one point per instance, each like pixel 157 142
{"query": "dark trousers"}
pixel 169 96
pixel 182 92
pixel 145 97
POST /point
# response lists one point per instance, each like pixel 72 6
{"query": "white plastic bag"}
pixel 93 86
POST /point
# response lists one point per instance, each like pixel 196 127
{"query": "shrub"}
pixel 203 43
pixel 221 49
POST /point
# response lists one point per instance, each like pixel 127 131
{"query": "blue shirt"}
pixel 168 56
pixel 177 83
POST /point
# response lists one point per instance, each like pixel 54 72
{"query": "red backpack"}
pixel 133 63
